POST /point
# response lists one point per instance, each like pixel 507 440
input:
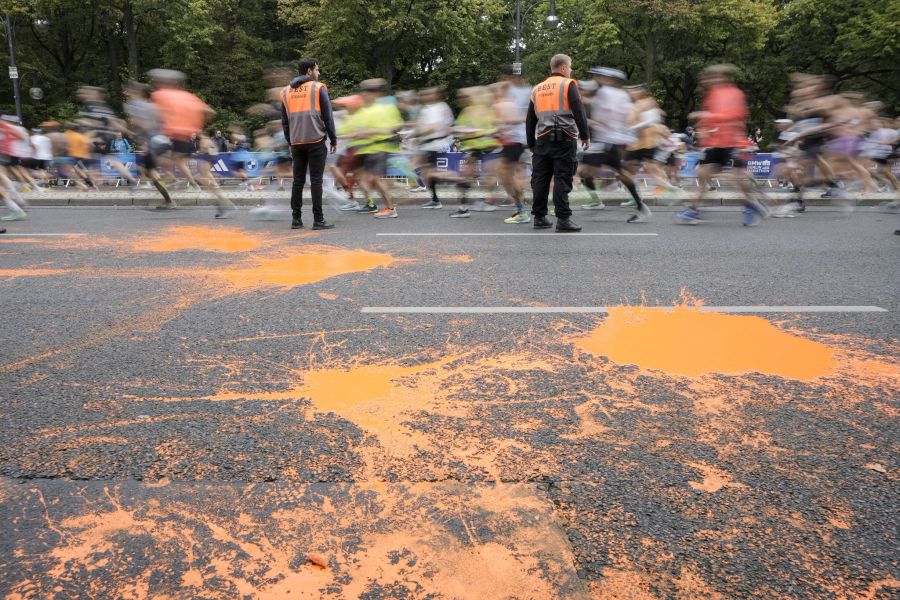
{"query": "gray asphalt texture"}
pixel 106 349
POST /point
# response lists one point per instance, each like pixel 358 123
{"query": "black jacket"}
pixel 577 111
pixel 325 108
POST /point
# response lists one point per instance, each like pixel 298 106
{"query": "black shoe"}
pixel 567 226
pixel 296 224
pixel 322 225
pixel 368 208
pixel 2 230
pixel 542 223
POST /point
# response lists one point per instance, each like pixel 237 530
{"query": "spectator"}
pixel 120 145
pixel 195 143
pixel 219 141
pixel 756 137
pixel 690 138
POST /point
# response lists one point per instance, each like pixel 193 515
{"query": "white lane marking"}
pixel 3 235
pixel 603 310
pixel 508 234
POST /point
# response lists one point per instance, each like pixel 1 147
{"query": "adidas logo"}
pixel 220 167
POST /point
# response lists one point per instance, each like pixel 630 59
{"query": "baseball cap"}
pixel 608 72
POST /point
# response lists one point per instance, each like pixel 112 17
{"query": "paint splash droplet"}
pixel 687 342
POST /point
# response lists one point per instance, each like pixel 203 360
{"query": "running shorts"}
pixel 375 164
pixel 512 152
pixel 721 157
pixel 611 157
pixel 640 155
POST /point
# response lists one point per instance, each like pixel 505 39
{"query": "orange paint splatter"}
pixel 325 296
pixel 375 397
pixel 713 479
pixel 209 239
pixel 14 273
pixel 310 265
pixel 685 341
pixel 458 258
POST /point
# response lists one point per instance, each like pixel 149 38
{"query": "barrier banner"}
pixel 762 165
pixel 687 164
pixel 126 158
pixel 454 161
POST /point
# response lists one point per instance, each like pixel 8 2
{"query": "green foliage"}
pixel 227 46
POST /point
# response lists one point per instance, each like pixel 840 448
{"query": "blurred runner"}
pixel 722 125
pixel 511 132
pixel 104 125
pixel 146 123
pixel 376 125
pixel 476 127
pixel 183 115
pixel 8 137
pixel 647 124
pixel 611 108
pixel 432 137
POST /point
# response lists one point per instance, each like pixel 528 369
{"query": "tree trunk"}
pixel 112 48
pixel 650 65
pixel 131 38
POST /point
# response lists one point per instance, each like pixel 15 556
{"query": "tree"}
pixel 407 42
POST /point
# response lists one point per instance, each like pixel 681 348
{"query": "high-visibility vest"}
pixel 551 105
pixel 304 112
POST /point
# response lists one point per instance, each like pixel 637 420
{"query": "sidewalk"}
pixel 125 197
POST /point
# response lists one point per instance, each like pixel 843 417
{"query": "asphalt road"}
pixel 196 408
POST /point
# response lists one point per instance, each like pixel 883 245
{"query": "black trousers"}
pixel 312 157
pixel 556 161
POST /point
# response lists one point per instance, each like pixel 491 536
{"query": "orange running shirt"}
pixel 726 116
pixel 183 113
pixel 79 145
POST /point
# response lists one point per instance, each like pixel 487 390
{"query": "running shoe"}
pixel 785 211
pixel 519 217
pixel 349 205
pixel 642 216
pixel 368 208
pixel 628 204
pixel 482 206
pixel 419 189
pixel 433 204
pixel 224 213
pixel 506 203
pixel 461 213
pixel 598 205
pixel 751 217
pixel 14 214
pixel 689 217
pixel 386 213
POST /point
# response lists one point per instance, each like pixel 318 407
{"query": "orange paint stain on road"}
pixel 311 264
pixel 459 258
pixel 713 479
pixel 685 341
pixel 375 397
pixel 16 273
pixel 209 239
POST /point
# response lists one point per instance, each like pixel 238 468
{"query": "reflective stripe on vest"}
pixel 304 112
pixel 551 105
